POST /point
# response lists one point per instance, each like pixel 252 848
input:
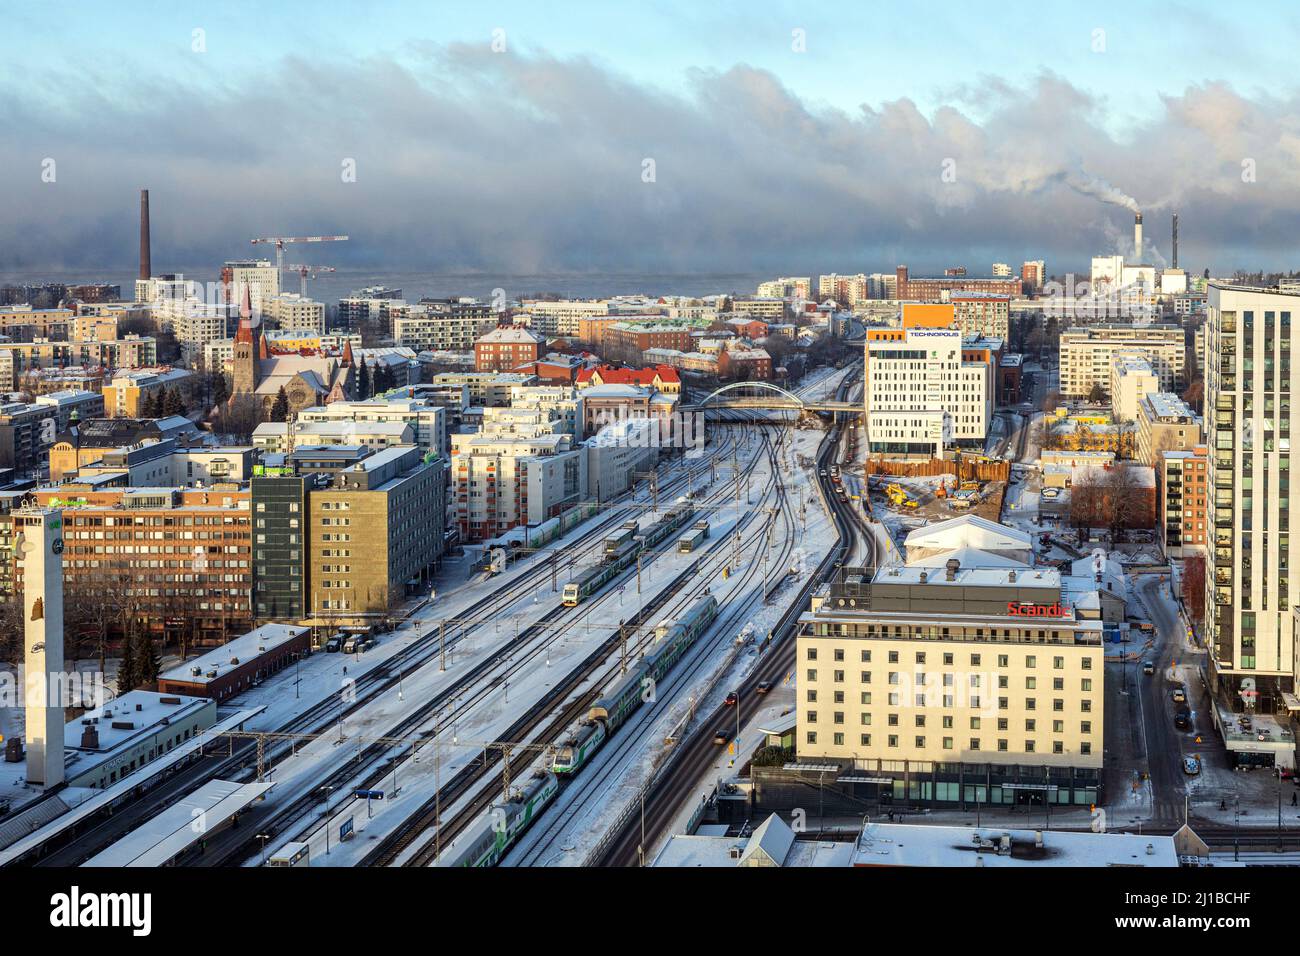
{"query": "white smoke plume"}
pixel 1088 185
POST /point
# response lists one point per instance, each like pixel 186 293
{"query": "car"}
pixel 332 645
pixel 1191 766
pixel 1148 667
pixel 722 737
pixel 1179 695
pixel 1183 720
pixel 763 686
pixel 731 700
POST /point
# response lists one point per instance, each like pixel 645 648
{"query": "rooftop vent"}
pixel 953 567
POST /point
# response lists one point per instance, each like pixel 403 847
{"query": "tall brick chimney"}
pixel 146 267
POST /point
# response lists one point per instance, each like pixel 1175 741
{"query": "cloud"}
pixel 470 160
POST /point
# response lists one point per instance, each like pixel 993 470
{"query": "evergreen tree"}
pixel 148 664
pixel 127 676
pixel 280 410
pixel 174 404
pixel 363 382
pixel 220 388
pixel 383 379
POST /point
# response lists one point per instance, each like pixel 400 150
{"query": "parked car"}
pixel 332 645
pixel 1179 695
pixel 1191 766
pixel 764 686
pixel 1148 667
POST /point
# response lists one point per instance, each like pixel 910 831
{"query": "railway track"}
pixel 663 796
pixel 580 792
pixel 414 836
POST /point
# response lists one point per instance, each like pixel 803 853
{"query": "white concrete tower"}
pixel 40 550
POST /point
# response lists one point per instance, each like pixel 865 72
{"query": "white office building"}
pixel 921 393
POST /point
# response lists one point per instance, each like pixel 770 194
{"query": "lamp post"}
pixel 325 804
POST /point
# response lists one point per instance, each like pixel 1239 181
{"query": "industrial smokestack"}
pixel 1175 265
pixel 146 267
pixel 1137 237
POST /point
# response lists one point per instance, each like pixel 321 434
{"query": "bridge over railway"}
pixel 764 396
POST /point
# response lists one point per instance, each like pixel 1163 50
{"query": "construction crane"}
pixel 305 272
pixel 281 240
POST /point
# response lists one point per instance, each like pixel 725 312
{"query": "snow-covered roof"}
pixel 772 839
pixel 897 844
pixel 968 531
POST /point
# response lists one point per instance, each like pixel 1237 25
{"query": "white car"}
pixel 1191 766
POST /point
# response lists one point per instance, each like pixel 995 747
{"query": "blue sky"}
pixel 980 83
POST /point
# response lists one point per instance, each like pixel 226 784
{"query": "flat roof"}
pixel 217 662
pixel 897 844
pixel 163 837
pixel 140 712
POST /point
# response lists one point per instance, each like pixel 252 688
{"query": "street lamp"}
pixel 263 837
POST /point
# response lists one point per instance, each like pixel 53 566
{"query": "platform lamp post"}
pixel 264 837
pixel 325 804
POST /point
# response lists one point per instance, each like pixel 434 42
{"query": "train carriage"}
pixel 488 839
pixel 572 753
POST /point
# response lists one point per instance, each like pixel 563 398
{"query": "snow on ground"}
pixel 710 676
pixel 479 716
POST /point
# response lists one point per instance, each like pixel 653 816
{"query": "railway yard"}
pixel 452 742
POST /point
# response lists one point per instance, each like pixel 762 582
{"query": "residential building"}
pixel 19 359
pixel 1166 423
pixel 506 347
pixel 504 483
pixel 85 441
pixel 1250 592
pixel 1182 493
pixel 126 391
pixel 938 289
pixel 662 378
pixel 289 310
pixel 28 431
pixel 443 325
pixel 1033 274
pixel 1088 354
pixel 376 532
pixel 1131 379
pixel 259 276
pixel 981 314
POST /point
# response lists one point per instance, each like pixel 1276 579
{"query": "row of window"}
pixel 973 744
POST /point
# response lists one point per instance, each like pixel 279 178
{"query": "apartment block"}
pixel 1088 354
pixel 1182 493
pixel 1131 379
pixel 1166 423
pixel 1250 592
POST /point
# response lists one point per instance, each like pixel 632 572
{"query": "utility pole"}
pixel 622 636
pixel 505 772
pixel 442 646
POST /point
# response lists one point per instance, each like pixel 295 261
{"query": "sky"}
pixel 790 138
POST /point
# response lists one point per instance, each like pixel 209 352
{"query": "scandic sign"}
pixel 1017 609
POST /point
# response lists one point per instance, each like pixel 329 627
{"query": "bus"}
pixel 291 854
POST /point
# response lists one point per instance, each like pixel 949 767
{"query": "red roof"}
pixel 630 376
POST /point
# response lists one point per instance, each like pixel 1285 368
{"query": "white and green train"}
pixel 672 639
pixel 621 550
pixel 488 839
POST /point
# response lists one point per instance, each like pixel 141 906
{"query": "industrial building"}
pixel 241 663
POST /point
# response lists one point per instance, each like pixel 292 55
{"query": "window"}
pixel 974 743
pixel 838 653
pixel 866 657
pixel 812 696
pixel 812 674
pixel 866 740
pixel 812 653
pixel 947 743
pixel 812 716
pixel 812 736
